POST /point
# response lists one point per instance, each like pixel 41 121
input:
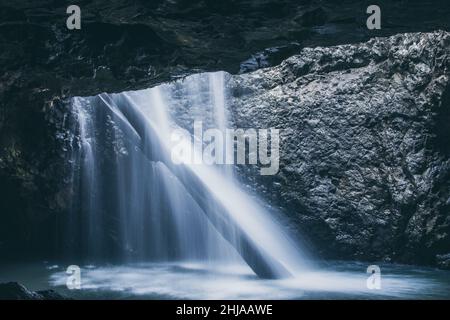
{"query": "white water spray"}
pixel 158 211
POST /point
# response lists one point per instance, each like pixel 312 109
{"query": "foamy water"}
pixel 203 281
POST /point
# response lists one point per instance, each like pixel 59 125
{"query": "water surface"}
pixel 333 280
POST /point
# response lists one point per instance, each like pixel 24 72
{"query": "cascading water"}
pixel 137 205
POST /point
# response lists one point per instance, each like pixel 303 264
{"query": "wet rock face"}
pixel 365 167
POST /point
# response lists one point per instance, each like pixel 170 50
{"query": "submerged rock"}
pixel 16 291
pixel 365 144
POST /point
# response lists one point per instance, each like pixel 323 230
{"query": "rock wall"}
pixel 365 144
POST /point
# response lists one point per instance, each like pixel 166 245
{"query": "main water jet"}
pixel 133 194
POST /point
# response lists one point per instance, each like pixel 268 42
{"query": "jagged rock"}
pixel 16 291
pixel 365 144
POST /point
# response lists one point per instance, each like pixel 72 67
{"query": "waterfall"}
pixel 135 204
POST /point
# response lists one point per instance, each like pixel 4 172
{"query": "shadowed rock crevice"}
pixel 441 140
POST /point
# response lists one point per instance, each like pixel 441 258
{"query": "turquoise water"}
pixel 333 280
